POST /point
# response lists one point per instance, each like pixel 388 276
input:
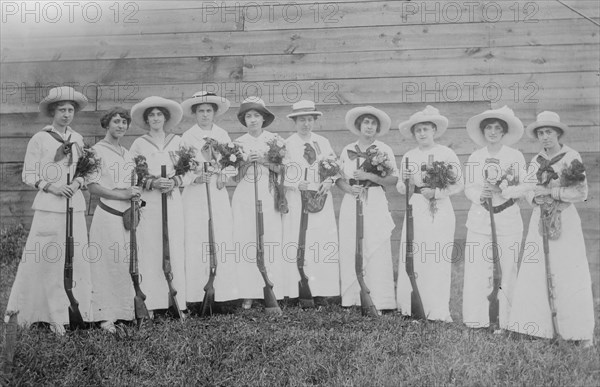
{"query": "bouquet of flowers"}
pixel 377 162
pixel 438 174
pixel 328 167
pixel 89 163
pixel 508 179
pixel 186 160
pixel 573 175
pixel 277 150
pixel 231 155
pixel 275 155
pixel 141 169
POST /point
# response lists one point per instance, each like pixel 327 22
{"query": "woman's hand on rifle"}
pixel 163 184
pixel 358 191
pixel 202 177
pixel 133 192
pixel 303 185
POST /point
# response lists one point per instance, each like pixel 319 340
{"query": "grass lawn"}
pixel 328 346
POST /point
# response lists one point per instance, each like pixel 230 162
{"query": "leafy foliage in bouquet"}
pixel 185 160
pixel 141 168
pixel 573 175
pixel 377 162
pixel 508 179
pixel 328 167
pixel 438 174
pixel 231 155
pixel 89 163
pixel 277 150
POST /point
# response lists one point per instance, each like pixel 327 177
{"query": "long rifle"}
pixel 366 303
pixel 271 305
pixel 141 312
pixel 75 319
pixel 416 303
pixel 209 288
pixel 494 303
pixel 166 263
pixel 305 295
pixel 549 281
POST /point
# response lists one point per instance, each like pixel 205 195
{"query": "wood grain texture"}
pixel 359 39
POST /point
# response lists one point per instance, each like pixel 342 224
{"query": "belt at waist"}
pixel 364 183
pixel 110 210
pixel 500 207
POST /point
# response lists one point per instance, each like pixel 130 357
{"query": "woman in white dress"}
pixel 369 124
pixel 38 292
pixel 433 240
pixel 571 283
pixel 494 130
pixel 205 107
pixel 304 150
pixel 159 116
pixel 112 296
pixel 255 117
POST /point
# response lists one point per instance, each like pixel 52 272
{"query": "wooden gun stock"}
pixel 416 303
pixel 549 281
pixel 366 303
pixel 305 295
pixel 141 312
pixel 167 251
pixel 494 303
pixel 271 305
pixel 209 289
pixel 75 318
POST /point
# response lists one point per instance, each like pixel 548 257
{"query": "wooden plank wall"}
pixel 463 57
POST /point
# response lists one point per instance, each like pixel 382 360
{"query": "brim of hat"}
pixel 515 128
pixel 223 104
pixel 530 129
pixel 384 120
pixel 440 122
pixel 298 114
pixel 246 107
pixel 78 98
pixel 137 112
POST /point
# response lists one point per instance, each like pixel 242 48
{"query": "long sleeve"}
pixel 31 174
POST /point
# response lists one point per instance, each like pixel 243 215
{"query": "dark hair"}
pixel 362 117
pixel 163 110
pixel 491 120
pixel 557 129
pixel 116 111
pixel 52 106
pixel 412 128
pixel 214 106
pixel 315 116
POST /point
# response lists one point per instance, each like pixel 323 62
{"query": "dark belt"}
pixel 364 183
pixel 418 189
pixel 499 208
pixel 110 210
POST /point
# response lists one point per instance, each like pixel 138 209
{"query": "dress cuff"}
pixel 556 193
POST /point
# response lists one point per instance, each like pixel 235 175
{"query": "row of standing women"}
pixel 495 172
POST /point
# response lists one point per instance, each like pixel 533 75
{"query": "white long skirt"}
pixel 479 277
pixel 250 282
pixel 150 250
pixel 112 289
pixel 377 250
pixel 38 292
pixel 197 259
pixel 433 243
pixel 321 256
pixel 572 284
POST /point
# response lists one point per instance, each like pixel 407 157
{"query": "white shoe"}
pixel 108 326
pixel 247 304
pixel 151 314
pixel 58 329
pixel 589 343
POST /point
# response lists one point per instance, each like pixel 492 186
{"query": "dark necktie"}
pixel 65 149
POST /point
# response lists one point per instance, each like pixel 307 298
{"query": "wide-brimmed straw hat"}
pixel 429 114
pixel 384 120
pixel 175 110
pixel 546 119
pixel 515 126
pixel 200 97
pixel 255 103
pixel 304 108
pixel 63 93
